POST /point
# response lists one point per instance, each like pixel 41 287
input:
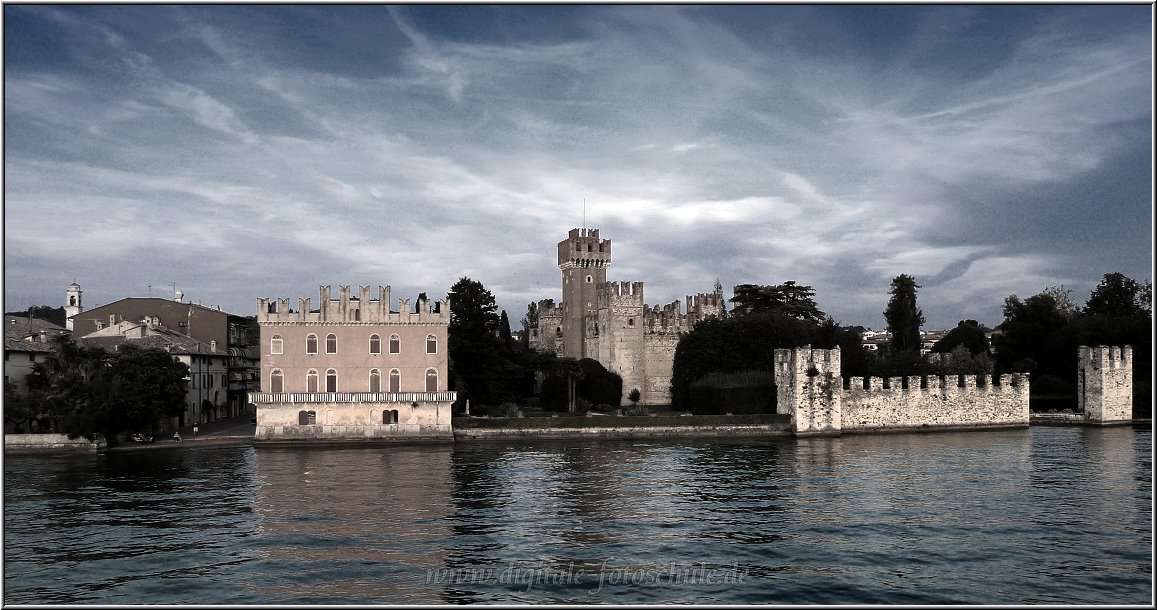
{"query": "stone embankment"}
pixel 612 427
pixel 50 443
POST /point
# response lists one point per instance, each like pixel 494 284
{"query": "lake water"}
pixel 1040 515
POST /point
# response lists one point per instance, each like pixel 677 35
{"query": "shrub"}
pixel 751 391
pixel 508 409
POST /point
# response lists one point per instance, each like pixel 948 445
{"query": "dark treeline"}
pixel 1039 336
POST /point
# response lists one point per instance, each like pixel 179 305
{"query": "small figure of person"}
pixel 177 436
pixel 194 430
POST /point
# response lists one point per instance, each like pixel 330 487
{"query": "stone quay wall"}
pixel 50 443
pixel 354 416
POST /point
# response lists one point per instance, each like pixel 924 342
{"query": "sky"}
pixel 249 151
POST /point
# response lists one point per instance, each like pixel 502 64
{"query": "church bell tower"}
pixel 72 304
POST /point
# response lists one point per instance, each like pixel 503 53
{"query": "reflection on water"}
pixel 1045 515
pixel 362 523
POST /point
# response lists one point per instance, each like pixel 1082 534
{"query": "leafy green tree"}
pixel 1065 303
pixel 142 386
pixel 19 409
pixel 90 391
pixel 903 317
pixel 1116 297
pixel 960 361
pixel 1029 340
pixel 478 357
pixel 788 299
pixel 64 383
pixel 560 390
pixel 968 333
pixel 731 344
pixel 54 315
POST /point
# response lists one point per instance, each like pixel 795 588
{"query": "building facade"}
pixel 611 322
pixel 207 390
pixel 223 331
pixel 353 368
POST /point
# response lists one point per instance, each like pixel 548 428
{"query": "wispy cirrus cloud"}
pixel 416 146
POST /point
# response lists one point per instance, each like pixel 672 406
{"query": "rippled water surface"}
pixel 1045 515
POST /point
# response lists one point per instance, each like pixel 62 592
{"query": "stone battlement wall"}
pixel 934 402
pixel 346 309
pixel 619 294
pixel 810 387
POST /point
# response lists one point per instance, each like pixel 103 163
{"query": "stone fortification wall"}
pixel 1105 383
pixel 548 336
pixel 354 416
pixel 658 359
pixel 810 388
pixel 953 401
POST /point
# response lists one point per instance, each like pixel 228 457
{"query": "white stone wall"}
pixel 1105 383
pixel 810 388
pixel 943 404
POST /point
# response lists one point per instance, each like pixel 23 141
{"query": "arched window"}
pixel 395 380
pixel 311 344
pixel 431 344
pixel 395 344
pixel 331 343
pixel 276 346
pixel 331 380
pixel 276 382
pixel 375 381
pixel 431 380
pixel 375 343
pixel 311 381
pixel 357 315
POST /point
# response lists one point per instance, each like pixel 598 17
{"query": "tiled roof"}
pixel 158 337
pixel 23 334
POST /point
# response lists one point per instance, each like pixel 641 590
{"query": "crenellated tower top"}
pixel 583 249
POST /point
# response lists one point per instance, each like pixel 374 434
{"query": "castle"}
pixel 610 321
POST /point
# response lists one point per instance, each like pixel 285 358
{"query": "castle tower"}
pixel 810 389
pixel 583 259
pixel 72 304
pixel 1105 384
